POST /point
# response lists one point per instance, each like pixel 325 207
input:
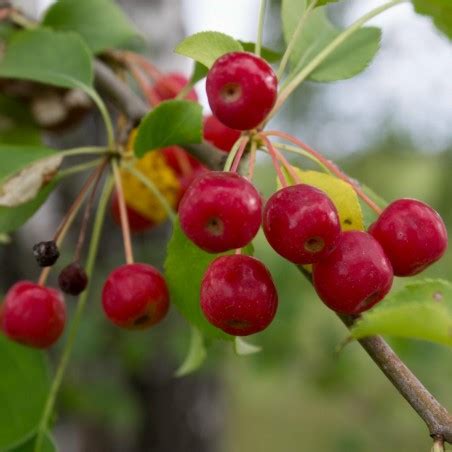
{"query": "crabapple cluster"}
pixel 222 211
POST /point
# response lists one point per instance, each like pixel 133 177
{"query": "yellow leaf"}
pixel 153 165
pixel 340 192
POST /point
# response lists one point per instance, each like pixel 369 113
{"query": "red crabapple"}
pixel 135 296
pixel 355 276
pixel 238 295
pixel 412 234
pixel 220 211
pixel 241 89
pixel 33 315
pixel 301 224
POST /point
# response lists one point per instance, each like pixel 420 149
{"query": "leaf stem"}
pixel 78 168
pixel 260 27
pixel 125 227
pixel 294 38
pixel 90 262
pixel 89 150
pixel 326 52
pixel 105 116
pixel 154 190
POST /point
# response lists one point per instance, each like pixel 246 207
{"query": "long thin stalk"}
pixel 78 168
pixel 90 262
pixel 88 150
pixel 125 227
pixel 260 27
pixel 330 165
pixel 327 51
pixel 294 38
pixel 302 152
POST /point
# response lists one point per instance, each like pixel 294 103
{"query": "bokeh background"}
pixel 389 127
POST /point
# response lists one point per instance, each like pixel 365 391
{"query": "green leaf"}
pixel 243 348
pixel 207 46
pixel 12 218
pixel 101 23
pixel 24 384
pixel 171 122
pixel 439 10
pixel 421 310
pixel 349 59
pixel 54 58
pixel 185 266
pixel 196 354
pixel 272 56
pixel 16 123
pixel 16 158
pixel 199 72
pixel 29 446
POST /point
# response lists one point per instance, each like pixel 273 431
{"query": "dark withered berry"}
pixel 46 253
pixel 73 279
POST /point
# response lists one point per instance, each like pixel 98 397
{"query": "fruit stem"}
pixel 253 155
pixel 143 83
pixel 330 165
pixel 326 52
pixel 299 151
pixel 68 219
pixel 146 65
pixel 87 213
pixel 260 27
pixel 233 152
pixel 293 40
pixel 123 214
pixel 271 151
pixel 92 254
pixel 239 155
pixel 290 169
pixel 154 190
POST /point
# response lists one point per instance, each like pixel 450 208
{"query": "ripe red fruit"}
pixel 238 295
pixel 412 234
pixel 135 296
pixel 169 85
pixel 137 222
pixel 355 276
pixel 218 134
pixel 301 224
pixel 241 89
pixel 33 315
pixel 220 211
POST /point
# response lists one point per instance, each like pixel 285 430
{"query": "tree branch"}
pixel 125 100
pixel 436 417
